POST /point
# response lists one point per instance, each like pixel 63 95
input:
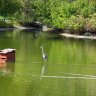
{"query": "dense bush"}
pixel 4 24
pixel 66 14
pixel 91 23
pixel 76 23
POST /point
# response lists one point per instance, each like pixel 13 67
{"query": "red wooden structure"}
pixel 7 55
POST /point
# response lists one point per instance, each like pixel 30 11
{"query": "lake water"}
pixel 69 71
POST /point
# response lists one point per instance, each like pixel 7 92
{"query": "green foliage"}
pixel 8 7
pixel 4 24
pixel 76 23
pixel 64 14
pixel 91 23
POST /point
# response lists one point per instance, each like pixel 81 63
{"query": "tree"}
pixel 9 7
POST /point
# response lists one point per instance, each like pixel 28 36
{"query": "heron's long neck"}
pixel 42 51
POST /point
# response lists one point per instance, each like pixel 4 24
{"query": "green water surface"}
pixel 69 71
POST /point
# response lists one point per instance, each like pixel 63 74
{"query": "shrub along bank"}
pixel 4 24
pixel 80 25
pixel 72 16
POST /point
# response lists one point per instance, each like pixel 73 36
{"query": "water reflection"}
pixel 69 71
pixel 7 68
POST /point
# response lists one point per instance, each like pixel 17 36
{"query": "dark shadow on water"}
pixel 54 37
pixel 31 30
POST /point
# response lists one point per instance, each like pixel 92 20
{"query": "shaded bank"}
pixel 10 25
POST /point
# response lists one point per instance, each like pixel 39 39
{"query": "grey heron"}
pixel 44 55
